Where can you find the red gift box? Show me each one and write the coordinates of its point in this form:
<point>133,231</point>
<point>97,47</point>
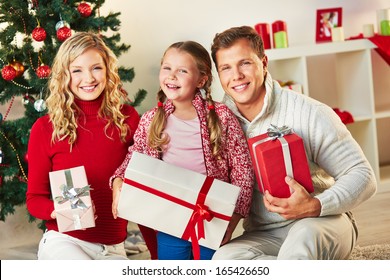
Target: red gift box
<point>276,154</point>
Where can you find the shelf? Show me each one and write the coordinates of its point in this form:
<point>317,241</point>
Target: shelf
<point>352,77</point>
<point>384,183</point>
<point>382,114</point>
<point>362,118</point>
<point>383,132</point>
<point>319,49</point>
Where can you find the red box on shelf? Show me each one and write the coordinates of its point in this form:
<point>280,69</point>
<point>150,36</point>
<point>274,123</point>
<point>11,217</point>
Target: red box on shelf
<point>274,158</point>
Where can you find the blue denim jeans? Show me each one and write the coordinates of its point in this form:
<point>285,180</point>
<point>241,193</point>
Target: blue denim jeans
<point>174,248</point>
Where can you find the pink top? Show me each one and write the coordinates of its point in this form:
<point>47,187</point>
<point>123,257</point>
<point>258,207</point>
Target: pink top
<point>234,166</point>
<point>185,145</point>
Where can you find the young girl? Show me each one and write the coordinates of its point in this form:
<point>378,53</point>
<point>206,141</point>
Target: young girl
<point>88,125</point>
<point>189,131</point>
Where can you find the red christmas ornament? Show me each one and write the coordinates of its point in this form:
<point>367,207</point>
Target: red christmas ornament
<point>18,67</point>
<point>8,73</point>
<point>64,33</point>
<point>84,9</point>
<point>39,34</point>
<point>43,71</point>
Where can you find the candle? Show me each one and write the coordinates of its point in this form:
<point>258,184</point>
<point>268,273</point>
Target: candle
<point>368,30</point>
<point>383,18</point>
<point>279,31</point>
<point>263,30</point>
<point>337,34</point>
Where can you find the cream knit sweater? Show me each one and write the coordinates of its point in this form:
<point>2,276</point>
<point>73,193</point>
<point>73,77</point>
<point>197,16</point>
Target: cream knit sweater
<point>341,174</point>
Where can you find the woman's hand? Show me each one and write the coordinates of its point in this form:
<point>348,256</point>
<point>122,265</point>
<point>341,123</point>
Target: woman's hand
<point>116,189</point>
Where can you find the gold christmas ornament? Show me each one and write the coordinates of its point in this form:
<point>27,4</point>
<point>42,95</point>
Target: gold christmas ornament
<point>19,68</point>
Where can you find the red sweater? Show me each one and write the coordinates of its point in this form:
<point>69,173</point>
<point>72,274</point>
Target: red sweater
<point>96,152</point>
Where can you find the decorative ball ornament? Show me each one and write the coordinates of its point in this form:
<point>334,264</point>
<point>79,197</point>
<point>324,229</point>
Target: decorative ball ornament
<point>19,67</point>
<point>39,34</point>
<point>8,73</point>
<point>26,99</point>
<point>84,9</point>
<point>43,71</point>
<point>61,24</point>
<point>40,105</point>
<point>64,33</point>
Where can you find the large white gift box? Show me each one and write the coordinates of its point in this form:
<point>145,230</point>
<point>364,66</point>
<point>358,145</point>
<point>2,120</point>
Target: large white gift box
<point>177,201</point>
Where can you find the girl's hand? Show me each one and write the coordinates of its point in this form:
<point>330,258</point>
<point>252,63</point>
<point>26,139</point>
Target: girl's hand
<point>116,189</point>
<point>231,227</point>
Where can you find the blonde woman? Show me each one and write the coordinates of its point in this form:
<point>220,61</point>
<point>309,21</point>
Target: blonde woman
<point>88,125</point>
<point>193,132</point>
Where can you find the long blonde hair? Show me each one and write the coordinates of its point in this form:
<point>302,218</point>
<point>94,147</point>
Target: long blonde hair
<point>157,139</point>
<point>62,110</point>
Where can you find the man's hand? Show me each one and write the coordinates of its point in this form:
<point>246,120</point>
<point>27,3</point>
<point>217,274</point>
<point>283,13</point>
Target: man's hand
<point>116,189</point>
<point>299,205</point>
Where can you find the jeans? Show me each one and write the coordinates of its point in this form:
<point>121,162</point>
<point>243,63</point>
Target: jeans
<point>174,248</point>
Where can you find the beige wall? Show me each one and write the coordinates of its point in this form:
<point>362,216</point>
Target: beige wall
<point>151,26</point>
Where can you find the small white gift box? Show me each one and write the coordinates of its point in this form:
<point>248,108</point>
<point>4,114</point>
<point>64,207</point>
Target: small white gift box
<point>72,200</point>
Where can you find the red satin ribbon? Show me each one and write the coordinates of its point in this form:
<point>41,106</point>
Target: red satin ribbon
<point>200,212</point>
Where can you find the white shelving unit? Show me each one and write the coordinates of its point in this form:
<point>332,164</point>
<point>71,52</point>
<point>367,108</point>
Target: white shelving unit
<point>350,76</point>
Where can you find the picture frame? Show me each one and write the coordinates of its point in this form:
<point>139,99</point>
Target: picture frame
<point>326,20</point>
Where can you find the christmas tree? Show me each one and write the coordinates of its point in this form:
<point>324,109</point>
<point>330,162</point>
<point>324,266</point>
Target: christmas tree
<point>31,31</point>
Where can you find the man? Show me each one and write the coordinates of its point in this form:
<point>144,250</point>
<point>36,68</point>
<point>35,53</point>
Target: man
<point>303,226</point>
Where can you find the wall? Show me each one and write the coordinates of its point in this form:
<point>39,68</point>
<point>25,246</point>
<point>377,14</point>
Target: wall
<point>151,26</point>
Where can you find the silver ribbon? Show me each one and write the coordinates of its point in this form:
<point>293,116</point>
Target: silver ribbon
<point>276,133</point>
<point>72,194</point>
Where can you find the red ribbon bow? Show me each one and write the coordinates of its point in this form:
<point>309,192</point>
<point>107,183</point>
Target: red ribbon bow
<point>201,213</point>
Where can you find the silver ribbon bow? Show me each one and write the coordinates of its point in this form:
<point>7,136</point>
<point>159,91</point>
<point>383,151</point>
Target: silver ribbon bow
<point>276,132</point>
<point>71,194</point>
